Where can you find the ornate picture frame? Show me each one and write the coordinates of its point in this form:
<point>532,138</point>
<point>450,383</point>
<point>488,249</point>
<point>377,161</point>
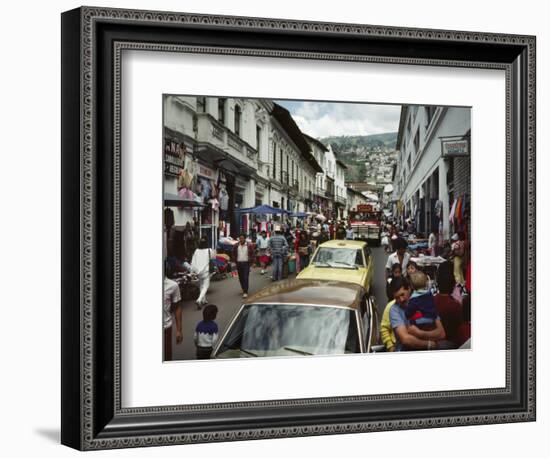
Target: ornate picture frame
<point>92,42</point>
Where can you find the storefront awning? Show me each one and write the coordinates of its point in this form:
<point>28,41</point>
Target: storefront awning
<point>173,200</point>
<point>216,157</point>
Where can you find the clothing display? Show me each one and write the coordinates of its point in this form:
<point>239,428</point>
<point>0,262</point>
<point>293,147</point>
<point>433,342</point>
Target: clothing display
<point>215,204</point>
<point>205,188</point>
<point>168,218</point>
<point>187,194</point>
<point>223,198</point>
<point>185,179</point>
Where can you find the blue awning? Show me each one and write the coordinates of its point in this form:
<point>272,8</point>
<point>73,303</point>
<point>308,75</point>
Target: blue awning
<point>262,210</point>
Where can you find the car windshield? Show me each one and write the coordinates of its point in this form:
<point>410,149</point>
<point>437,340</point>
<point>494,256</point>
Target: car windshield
<point>338,257</point>
<point>291,330</point>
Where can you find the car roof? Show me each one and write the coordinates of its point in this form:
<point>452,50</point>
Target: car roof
<point>310,292</point>
<point>357,244</point>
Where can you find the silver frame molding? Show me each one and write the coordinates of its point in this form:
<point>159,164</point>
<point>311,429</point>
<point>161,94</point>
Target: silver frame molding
<point>93,41</point>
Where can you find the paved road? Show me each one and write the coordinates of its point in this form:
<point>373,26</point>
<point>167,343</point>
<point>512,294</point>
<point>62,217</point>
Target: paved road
<point>227,295</point>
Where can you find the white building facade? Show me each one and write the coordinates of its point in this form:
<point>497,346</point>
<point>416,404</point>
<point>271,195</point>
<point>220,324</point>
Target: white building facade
<point>226,154</point>
<point>427,180</point>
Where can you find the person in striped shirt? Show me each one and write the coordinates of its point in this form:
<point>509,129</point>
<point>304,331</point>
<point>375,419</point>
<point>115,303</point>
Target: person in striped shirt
<point>278,247</point>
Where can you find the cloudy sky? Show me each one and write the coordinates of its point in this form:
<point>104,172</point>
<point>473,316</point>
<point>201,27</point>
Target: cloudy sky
<point>323,119</point>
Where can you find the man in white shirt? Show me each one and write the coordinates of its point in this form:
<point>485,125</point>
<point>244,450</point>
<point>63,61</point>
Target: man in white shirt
<point>400,256</point>
<point>200,265</point>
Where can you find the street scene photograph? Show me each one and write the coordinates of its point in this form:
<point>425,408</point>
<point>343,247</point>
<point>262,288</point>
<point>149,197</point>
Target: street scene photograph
<point>296,228</point>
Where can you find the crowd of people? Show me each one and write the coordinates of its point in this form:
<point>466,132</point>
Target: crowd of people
<point>426,309</point>
<point>275,250</point>
<point>425,313</point>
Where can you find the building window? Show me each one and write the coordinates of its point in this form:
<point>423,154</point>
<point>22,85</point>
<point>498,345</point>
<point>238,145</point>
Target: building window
<point>274,160</point>
<point>201,104</point>
<point>416,142</point>
<point>221,110</point>
<point>238,120</point>
<point>281,166</point>
<point>258,140</point>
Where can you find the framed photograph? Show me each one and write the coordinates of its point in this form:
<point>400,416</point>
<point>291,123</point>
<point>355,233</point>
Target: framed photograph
<point>275,228</point>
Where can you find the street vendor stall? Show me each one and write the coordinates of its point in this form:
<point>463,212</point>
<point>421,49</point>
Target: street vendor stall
<point>428,264</point>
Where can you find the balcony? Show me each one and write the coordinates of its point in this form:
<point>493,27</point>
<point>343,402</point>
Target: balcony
<point>341,200</point>
<point>210,130</point>
<point>330,193</point>
<point>295,186</point>
<point>320,191</point>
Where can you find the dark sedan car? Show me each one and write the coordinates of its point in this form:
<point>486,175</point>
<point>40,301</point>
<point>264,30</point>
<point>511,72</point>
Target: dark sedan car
<point>302,318</point>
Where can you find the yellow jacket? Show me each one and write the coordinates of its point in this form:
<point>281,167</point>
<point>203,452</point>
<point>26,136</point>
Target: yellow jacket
<point>386,331</point>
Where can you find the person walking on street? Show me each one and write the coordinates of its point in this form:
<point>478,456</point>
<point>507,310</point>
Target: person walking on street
<point>261,245</point>
<point>278,247</point>
<point>340,233</point>
<point>432,242</point>
<point>323,237</point>
<point>206,332</point>
<point>243,253</point>
<point>349,233</point>
<point>171,309</point>
<point>200,264</point>
<point>400,256</point>
<point>304,250</point>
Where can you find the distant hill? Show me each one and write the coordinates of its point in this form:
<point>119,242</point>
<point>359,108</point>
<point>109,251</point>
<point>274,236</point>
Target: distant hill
<point>346,144</point>
<point>353,150</point>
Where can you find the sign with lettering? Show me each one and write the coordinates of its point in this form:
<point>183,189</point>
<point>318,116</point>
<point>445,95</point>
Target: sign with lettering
<point>364,208</point>
<point>454,148</point>
<point>174,157</point>
<point>206,172</point>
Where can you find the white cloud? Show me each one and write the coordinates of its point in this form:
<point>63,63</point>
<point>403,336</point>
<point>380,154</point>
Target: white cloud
<point>323,119</point>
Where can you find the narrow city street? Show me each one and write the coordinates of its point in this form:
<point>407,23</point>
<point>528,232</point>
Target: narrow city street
<point>227,295</point>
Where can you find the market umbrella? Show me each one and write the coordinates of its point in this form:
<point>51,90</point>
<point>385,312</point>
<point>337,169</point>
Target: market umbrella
<point>298,215</point>
<point>263,210</point>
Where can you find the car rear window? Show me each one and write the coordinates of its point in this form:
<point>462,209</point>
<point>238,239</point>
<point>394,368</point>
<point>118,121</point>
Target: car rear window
<point>293,330</point>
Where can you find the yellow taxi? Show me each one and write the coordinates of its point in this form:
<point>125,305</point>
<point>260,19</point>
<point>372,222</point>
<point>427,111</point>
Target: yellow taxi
<point>341,260</point>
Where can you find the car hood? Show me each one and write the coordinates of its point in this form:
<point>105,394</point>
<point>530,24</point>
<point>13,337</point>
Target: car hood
<point>357,276</point>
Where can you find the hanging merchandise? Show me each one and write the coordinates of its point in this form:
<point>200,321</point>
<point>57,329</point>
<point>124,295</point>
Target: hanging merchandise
<point>438,209</point>
<point>224,198</point>
<point>452,212</point>
<point>205,188</point>
<point>458,211</point>
<point>215,204</point>
<point>187,194</point>
<point>185,179</point>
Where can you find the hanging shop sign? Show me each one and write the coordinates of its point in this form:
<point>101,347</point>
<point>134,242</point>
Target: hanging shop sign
<point>455,148</point>
<point>174,157</point>
<point>205,172</point>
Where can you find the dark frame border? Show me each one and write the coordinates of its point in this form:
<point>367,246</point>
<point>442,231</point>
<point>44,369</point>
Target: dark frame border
<point>92,42</point>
